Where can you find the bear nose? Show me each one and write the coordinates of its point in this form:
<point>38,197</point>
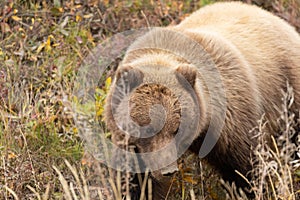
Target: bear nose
<point>169,170</point>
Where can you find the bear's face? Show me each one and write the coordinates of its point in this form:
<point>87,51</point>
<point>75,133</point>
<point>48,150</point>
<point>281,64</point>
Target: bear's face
<point>156,107</point>
<point>157,111</point>
<point>147,110</point>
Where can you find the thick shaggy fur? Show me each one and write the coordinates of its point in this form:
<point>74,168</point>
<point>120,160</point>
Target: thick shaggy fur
<point>256,54</point>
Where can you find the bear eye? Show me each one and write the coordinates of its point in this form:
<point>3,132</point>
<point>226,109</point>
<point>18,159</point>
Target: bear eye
<point>175,132</point>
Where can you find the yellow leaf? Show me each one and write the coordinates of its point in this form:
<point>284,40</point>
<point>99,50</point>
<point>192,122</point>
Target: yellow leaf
<point>75,130</point>
<point>21,30</point>
<point>12,155</point>
<point>40,48</point>
<point>56,44</point>
<point>47,47</point>
<point>15,11</point>
<point>99,111</point>
<point>16,18</point>
<point>48,43</point>
<point>108,83</point>
<point>78,18</point>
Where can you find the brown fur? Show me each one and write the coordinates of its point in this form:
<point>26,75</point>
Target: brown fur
<point>256,54</point>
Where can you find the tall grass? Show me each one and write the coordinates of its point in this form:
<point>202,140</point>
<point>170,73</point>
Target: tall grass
<point>275,162</point>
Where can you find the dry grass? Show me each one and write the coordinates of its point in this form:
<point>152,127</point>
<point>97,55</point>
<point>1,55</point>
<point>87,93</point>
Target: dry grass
<point>42,46</point>
<point>275,163</point>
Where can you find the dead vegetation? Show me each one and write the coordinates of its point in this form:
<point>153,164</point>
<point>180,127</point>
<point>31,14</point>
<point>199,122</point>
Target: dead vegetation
<point>42,44</point>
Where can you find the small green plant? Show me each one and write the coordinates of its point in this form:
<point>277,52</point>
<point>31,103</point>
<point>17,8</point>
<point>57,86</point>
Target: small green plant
<point>100,96</point>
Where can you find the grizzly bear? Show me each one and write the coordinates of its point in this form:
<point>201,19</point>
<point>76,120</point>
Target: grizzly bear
<point>206,81</point>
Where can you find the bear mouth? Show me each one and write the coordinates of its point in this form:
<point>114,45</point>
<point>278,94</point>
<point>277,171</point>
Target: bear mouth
<point>170,169</point>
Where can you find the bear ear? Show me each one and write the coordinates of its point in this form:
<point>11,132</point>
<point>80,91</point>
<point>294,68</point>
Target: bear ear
<point>130,77</point>
<point>189,73</point>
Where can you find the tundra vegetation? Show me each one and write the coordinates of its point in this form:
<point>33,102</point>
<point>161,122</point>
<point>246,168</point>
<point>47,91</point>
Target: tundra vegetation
<point>42,45</point>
